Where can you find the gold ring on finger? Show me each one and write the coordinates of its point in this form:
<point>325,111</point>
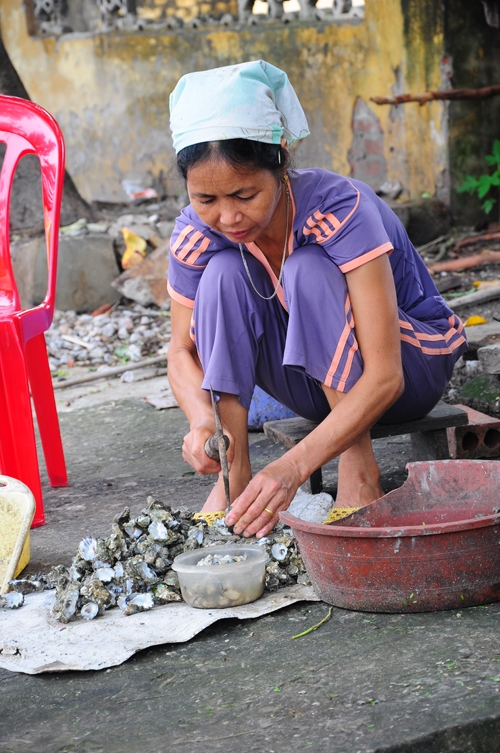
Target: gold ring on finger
<point>269,512</point>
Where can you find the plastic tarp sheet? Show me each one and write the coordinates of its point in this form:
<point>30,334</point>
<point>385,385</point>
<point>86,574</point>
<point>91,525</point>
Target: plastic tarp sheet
<point>33,641</point>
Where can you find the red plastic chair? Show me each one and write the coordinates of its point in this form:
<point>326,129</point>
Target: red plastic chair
<point>26,128</point>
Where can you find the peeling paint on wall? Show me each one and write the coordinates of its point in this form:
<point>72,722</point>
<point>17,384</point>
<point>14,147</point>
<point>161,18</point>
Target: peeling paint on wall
<point>366,155</point>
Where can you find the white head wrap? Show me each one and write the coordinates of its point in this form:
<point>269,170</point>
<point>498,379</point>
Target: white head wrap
<point>252,101</point>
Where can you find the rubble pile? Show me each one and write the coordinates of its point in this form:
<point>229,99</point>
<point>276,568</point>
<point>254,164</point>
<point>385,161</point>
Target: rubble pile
<point>121,334</point>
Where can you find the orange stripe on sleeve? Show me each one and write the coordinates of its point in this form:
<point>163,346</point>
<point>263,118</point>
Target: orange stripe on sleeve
<point>313,231</point>
<point>333,220</point>
<point>189,245</point>
<point>203,247</point>
<point>180,239</point>
<point>365,258</point>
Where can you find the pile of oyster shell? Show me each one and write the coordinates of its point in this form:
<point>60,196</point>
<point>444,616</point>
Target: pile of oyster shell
<point>132,567</point>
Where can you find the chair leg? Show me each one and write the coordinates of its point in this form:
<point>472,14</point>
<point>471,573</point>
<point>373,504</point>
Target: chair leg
<point>40,382</point>
<point>18,455</point>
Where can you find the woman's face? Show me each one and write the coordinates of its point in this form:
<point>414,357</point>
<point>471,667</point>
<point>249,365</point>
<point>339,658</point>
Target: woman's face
<point>242,204</point>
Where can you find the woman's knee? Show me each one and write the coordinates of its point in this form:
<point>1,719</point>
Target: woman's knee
<point>223,266</point>
<point>228,264</point>
<point>310,268</point>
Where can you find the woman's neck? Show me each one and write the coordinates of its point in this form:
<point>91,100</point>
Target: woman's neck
<point>272,241</point>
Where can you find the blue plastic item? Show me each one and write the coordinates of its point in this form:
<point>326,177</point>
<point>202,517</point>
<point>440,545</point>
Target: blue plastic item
<point>265,408</point>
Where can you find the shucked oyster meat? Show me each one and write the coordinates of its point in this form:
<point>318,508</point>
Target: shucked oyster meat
<point>132,567</point>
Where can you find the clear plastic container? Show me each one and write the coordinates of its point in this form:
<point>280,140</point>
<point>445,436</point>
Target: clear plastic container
<point>221,586</point>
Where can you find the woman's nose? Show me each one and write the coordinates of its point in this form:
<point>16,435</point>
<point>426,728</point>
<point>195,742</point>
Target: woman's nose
<point>230,216</point>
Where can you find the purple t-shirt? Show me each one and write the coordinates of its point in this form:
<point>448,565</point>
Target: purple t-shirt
<point>343,216</point>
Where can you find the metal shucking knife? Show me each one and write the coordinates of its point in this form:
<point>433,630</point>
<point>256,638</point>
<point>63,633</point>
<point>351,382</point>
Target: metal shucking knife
<point>216,448</point>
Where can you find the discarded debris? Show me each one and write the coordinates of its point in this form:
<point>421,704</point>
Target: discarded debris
<point>315,627</point>
<point>472,321</point>
<point>481,296</point>
<point>135,248</point>
<point>467,262</point>
<point>76,228</point>
<point>437,249</point>
<point>479,238</point>
<point>485,284</point>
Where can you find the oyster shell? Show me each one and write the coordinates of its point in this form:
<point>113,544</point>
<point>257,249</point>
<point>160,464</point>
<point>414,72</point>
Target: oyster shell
<point>105,574</point>
<point>164,594</point>
<point>25,586</point>
<point>138,568</point>
<point>119,571</point>
<point>93,590</point>
<point>138,603</point>
<point>88,549</point>
<point>89,610</point>
<point>66,604</point>
<point>143,521</point>
<point>279,552</point>
<point>158,530</point>
<point>12,600</point>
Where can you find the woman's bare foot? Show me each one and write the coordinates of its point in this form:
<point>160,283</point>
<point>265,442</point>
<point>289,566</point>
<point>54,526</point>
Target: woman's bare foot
<point>235,417</point>
<point>360,496</point>
<point>238,482</point>
<point>359,476</point>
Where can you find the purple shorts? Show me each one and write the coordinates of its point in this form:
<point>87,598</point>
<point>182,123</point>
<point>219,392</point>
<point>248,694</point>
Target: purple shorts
<point>244,341</point>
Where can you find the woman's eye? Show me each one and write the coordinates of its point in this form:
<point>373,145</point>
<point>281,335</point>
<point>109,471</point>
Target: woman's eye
<point>245,198</point>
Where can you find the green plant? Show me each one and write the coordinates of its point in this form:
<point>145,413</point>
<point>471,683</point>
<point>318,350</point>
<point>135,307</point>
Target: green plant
<point>485,183</point>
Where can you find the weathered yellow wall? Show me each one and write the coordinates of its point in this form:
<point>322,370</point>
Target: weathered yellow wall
<point>109,92</point>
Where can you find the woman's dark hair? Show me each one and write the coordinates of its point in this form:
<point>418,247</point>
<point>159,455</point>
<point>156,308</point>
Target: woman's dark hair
<point>239,153</point>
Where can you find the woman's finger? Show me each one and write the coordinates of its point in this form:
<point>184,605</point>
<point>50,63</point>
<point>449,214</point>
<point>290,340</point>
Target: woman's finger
<point>264,523</point>
<point>241,506</point>
<point>262,514</point>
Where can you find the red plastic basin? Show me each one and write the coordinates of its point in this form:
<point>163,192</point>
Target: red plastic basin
<point>432,544</point>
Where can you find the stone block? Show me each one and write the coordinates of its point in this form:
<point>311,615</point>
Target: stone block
<point>146,282</point>
<point>86,268</point>
<point>489,358</point>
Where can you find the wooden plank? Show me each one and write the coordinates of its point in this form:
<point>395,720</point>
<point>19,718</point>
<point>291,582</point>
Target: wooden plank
<point>440,417</point>
<point>290,431</point>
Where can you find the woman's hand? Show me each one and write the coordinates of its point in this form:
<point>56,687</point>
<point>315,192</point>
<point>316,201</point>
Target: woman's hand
<point>193,449</point>
<point>256,510</point>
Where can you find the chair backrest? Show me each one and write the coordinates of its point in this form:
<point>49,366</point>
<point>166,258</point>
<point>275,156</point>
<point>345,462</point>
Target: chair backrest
<point>26,128</point>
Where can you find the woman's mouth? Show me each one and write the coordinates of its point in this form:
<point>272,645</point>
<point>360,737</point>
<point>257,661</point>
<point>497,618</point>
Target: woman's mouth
<point>237,234</point>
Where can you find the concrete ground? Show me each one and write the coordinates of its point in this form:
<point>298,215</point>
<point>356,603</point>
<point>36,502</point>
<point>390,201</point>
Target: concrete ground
<point>362,682</point>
